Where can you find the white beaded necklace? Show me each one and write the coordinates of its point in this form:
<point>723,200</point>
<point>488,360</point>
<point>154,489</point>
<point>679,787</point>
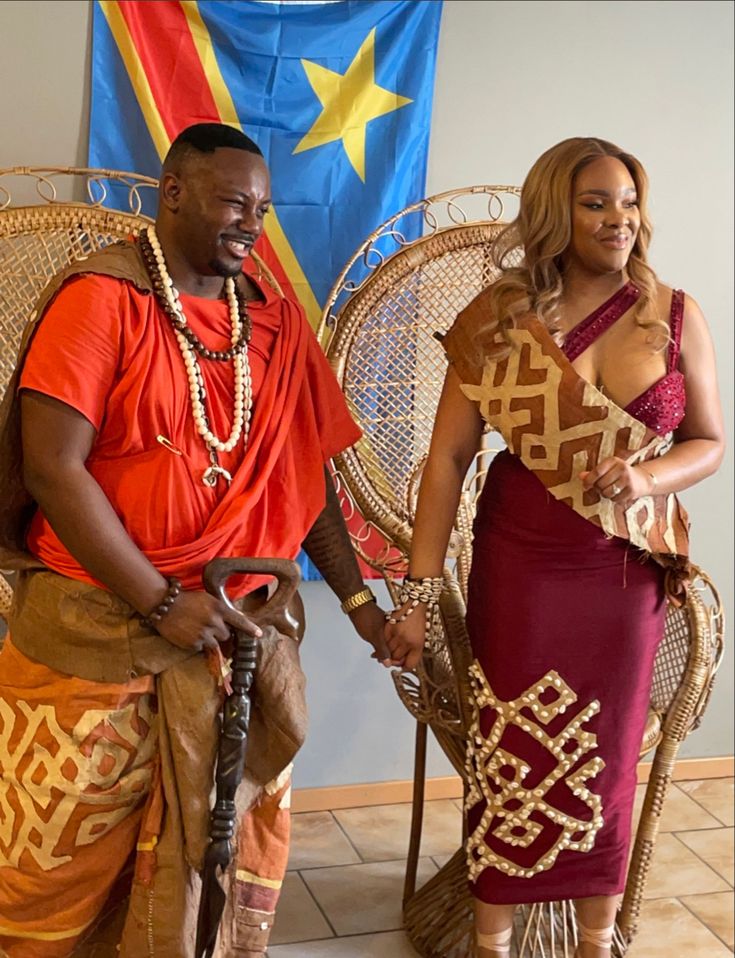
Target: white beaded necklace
<point>243,383</point>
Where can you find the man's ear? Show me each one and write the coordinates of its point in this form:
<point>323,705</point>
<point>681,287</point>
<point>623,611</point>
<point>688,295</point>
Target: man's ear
<point>171,191</point>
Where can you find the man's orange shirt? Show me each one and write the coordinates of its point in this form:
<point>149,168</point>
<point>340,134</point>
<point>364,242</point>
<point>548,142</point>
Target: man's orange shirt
<point>108,350</point>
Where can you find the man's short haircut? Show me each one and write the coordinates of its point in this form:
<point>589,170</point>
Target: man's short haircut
<point>206,138</point>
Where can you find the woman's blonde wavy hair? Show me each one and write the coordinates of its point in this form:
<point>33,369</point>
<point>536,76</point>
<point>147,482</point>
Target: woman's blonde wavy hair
<point>543,231</point>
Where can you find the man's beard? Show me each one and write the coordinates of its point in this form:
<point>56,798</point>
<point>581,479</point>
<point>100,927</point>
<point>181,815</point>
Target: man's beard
<point>223,270</point>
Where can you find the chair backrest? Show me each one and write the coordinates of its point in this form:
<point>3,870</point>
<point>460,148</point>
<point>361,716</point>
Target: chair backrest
<point>380,330</point>
<point>382,343</point>
<point>37,240</point>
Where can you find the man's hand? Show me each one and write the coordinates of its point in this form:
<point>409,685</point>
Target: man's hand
<point>369,621</point>
<point>198,620</point>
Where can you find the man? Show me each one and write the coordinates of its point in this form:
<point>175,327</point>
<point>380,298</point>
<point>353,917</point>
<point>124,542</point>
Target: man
<point>173,409</point>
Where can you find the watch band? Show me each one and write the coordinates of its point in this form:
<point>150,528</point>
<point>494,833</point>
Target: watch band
<point>355,601</point>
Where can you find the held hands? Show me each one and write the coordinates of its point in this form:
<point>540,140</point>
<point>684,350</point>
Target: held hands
<point>369,622</point>
<point>406,639</point>
<point>617,480</point>
<point>197,620</point>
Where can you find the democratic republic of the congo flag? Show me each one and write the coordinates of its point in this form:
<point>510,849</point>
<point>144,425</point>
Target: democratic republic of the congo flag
<point>338,96</point>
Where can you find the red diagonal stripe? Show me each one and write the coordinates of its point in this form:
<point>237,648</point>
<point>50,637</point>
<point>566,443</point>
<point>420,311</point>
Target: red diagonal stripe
<point>166,49</point>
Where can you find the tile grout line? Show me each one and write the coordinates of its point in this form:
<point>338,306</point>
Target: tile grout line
<point>349,840</point>
<point>694,799</point>
<point>355,934</point>
<point>319,909</point>
<point>703,860</point>
<point>337,936</point>
<point>701,920</point>
<point>718,822</point>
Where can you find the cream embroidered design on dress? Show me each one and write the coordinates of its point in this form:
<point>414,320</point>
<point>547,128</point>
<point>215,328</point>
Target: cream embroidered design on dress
<point>500,778</point>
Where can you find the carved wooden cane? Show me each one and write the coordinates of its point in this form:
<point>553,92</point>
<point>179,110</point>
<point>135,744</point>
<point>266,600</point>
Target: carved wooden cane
<point>234,733</point>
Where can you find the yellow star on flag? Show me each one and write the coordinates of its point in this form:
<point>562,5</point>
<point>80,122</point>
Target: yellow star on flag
<point>349,102</point>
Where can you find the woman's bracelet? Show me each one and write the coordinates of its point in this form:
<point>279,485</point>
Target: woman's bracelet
<point>413,591</point>
<point>164,606</point>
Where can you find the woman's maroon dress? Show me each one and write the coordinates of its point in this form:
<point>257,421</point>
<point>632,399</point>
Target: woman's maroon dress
<point>565,624</point>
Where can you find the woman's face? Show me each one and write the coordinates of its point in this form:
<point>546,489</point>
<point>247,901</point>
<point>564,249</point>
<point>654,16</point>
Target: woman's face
<point>605,217</point>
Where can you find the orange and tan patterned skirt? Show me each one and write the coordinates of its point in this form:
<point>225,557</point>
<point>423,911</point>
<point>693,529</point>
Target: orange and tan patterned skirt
<point>76,764</point>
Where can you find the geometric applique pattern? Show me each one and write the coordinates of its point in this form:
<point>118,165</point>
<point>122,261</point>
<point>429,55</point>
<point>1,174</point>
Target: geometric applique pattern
<point>61,789</point>
<point>498,778</point>
<point>559,425</point>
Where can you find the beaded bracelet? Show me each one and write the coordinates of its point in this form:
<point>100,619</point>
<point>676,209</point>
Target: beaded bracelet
<point>426,590</point>
<point>164,607</point>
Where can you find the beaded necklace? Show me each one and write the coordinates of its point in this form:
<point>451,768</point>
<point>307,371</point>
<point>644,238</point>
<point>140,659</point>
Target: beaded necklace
<point>191,346</point>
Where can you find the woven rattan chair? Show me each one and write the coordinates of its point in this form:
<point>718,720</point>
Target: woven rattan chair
<point>379,325</point>
<point>38,239</point>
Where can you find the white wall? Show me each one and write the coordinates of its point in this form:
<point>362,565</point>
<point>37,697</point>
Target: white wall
<point>512,79</point>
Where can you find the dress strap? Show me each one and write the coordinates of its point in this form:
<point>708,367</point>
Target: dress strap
<point>600,320</point>
<point>676,321</point>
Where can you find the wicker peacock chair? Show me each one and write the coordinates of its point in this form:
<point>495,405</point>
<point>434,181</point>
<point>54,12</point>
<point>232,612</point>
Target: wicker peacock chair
<point>38,239</point>
<point>379,326</point>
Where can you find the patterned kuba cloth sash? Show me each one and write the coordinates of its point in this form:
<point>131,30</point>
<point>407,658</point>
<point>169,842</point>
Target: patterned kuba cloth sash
<point>560,425</point>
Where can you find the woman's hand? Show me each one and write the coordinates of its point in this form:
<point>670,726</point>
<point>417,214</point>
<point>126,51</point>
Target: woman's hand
<point>198,620</point>
<point>406,639</point>
<point>617,480</point>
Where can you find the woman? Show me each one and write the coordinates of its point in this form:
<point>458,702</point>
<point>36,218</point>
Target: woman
<point>587,365</point>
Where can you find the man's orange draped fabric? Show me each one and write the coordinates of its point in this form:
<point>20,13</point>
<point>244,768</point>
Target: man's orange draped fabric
<point>109,351</point>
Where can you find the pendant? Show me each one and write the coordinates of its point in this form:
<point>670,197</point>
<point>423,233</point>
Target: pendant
<point>212,474</point>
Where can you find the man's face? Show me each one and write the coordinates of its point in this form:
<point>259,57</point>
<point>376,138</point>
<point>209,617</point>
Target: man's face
<point>219,201</point>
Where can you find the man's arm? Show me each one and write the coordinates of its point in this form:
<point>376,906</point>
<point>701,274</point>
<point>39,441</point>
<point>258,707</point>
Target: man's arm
<point>56,444</point>
<point>328,546</point>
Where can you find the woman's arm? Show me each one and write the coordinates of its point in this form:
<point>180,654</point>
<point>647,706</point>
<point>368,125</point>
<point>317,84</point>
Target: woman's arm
<point>454,442</point>
<point>700,438</point>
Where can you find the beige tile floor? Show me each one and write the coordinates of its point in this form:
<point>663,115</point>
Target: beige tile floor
<point>342,894</point>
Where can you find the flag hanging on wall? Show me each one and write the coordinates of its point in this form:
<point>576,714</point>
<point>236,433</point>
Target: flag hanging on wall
<point>337,94</point>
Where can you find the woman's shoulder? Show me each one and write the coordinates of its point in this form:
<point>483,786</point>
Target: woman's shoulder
<point>684,314</point>
<point>675,306</point>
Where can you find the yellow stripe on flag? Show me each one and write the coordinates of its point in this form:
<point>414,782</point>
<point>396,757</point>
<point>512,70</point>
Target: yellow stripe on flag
<point>228,114</point>
<point>137,74</point>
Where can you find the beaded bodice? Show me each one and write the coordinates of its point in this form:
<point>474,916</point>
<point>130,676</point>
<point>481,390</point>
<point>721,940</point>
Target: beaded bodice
<point>661,407</point>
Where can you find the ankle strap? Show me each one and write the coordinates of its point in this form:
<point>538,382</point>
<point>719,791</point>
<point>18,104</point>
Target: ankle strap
<point>599,937</point>
<point>499,942</point>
